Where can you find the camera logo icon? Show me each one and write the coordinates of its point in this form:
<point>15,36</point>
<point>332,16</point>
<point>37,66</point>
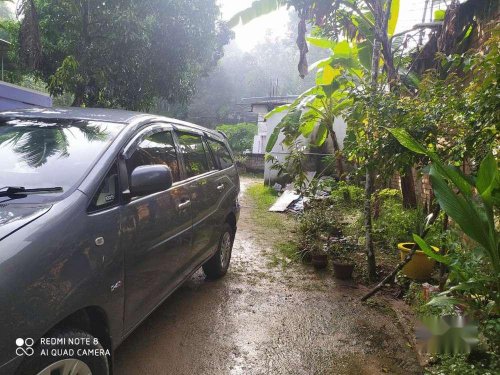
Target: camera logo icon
<point>25,347</point>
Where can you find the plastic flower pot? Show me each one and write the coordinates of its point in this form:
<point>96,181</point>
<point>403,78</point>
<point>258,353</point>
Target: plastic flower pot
<point>319,261</point>
<point>343,271</point>
<point>420,266</point>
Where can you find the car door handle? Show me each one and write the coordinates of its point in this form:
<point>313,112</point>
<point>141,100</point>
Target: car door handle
<point>184,204</point>
<point>220,187</point>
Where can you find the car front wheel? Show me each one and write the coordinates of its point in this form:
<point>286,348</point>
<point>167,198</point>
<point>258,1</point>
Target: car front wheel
<point>217,266</point>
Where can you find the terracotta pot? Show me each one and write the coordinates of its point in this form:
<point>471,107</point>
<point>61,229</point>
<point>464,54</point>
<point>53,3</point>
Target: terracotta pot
<point>343,271</point>
<point>319,261</point>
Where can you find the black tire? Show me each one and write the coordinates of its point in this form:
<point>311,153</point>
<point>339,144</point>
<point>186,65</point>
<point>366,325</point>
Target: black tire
<point>97,363</point>
<point>217,266</point>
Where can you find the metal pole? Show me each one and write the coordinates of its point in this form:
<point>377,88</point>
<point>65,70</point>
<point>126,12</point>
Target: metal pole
<point>421,37</point>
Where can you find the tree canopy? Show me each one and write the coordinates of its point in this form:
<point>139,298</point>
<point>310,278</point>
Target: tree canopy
<point>126,53</point>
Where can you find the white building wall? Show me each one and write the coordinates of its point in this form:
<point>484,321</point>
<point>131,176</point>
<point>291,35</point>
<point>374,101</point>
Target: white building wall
<point>279,151</point>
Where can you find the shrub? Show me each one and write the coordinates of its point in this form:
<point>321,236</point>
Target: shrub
<point>240,136</point>
<point>347,194</point>
<point>319,221</point>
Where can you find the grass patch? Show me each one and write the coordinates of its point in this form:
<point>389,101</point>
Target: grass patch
<point>286,253</point>
<point>278,229</point>
<point>263,196</point>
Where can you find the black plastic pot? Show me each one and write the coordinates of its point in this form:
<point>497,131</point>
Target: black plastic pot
<point>343,271</point>
<point>319,261</point>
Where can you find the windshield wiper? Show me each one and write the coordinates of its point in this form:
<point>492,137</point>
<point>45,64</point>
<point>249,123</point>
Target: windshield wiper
<point>9,191</point>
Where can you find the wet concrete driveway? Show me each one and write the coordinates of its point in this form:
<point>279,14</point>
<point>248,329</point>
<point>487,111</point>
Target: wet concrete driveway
<point>261,319</point>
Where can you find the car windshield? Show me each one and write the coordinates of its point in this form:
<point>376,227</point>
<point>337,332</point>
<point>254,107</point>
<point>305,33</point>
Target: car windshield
<point>38,154</point>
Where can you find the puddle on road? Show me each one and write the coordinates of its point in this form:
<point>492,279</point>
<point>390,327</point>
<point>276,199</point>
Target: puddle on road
<point>261,320</point>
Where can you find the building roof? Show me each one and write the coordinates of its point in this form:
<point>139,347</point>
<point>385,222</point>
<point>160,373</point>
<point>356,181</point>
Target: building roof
<point>278,100</point>
<point>270,102</point>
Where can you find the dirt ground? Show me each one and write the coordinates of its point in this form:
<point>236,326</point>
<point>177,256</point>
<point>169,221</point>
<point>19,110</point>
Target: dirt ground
<point>261,319</point>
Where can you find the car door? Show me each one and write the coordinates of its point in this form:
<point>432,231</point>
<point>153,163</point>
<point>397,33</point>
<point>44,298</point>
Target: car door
<point>200,173</point>
<point>223,188</point>
<point>156,229</point>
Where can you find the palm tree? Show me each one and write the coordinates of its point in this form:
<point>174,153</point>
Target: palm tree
<point>36,144</point>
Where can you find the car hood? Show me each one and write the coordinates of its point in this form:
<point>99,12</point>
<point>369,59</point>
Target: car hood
<point>14,216</point>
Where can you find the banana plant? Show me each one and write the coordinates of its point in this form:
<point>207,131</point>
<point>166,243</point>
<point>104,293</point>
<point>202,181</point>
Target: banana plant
<point>354,19</point>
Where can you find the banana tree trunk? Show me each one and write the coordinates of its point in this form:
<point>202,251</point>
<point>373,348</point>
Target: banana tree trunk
<point>338,155</point>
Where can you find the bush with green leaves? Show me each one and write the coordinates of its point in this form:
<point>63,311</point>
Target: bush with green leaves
<point>395,224</point>
<point>318,222</point>
<point>349,194</point>
<point>240,136</point>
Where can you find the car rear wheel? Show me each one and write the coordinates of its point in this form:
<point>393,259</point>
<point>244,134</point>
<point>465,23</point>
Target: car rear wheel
<point>217,266</point>
<point>72,352</point>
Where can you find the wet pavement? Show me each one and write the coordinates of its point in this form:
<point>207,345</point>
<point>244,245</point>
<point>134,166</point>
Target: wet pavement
<point>261,319</point>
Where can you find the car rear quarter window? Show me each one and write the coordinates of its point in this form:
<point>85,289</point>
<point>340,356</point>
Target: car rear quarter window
<point>221,153</point>
<point>194,153</point>
<point>156,149</point>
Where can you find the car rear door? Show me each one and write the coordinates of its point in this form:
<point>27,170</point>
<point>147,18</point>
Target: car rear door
<point>156,229</point>
<point>201,174</point>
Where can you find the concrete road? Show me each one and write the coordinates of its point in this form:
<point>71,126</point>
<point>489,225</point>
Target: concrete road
<point>261,319</point>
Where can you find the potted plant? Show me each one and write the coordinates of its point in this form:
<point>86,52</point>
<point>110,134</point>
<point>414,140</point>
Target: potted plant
<point>420,266</point>
<point>343,249</point>
<point>319,255</point>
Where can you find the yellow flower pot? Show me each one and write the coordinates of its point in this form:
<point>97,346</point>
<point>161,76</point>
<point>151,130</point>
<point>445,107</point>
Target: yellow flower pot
<point>420,266</point>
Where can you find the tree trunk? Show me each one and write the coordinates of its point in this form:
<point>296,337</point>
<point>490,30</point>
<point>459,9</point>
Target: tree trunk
<point>408,189</point>
<point>79,99</point>
<point>370,252</point>
<point>338,155</point>
<point>81,89</point>
<point>369,249</point>
<point>390,278</point>
<point>442,251</point>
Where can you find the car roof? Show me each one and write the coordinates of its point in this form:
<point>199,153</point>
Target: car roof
<point>97,114</point>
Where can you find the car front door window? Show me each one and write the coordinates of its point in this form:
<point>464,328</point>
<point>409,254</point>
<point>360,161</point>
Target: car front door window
<point>157,148</point>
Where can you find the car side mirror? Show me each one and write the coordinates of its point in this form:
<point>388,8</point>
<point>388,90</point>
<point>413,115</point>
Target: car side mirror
<point>150,179</point>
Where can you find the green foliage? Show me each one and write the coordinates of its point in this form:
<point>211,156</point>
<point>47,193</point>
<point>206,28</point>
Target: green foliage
<point>292,168</point>
<point>317,225</point>
<point>343,249</point>
<point>488,364</point>
<point>126,53</point>
<point>257,9</point>
<point>240,136</point>
<point>348,194</point>
<point>473,211</point>
<point>439,15</point>
<point>395,224</point>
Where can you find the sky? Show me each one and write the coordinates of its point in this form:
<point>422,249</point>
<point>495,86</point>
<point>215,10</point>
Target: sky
<point>249,35</point>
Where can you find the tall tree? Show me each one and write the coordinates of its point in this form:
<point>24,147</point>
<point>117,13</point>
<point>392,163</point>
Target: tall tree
<point>126,53</point>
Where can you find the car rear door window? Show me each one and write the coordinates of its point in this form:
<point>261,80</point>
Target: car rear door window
<point>157,148</point>
<point>221,153</point>
<point>194,153</point>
